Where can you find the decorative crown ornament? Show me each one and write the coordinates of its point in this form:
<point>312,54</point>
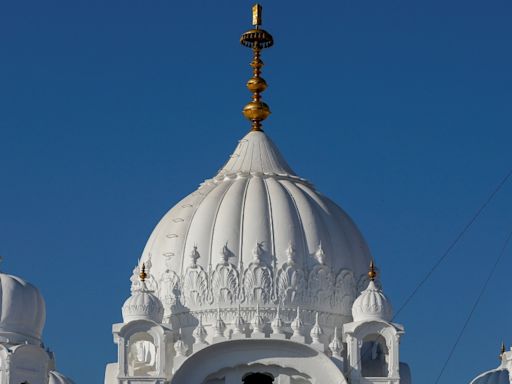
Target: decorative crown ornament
<point>257,39</point>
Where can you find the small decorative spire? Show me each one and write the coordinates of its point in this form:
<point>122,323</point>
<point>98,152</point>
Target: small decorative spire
<point>194,255</point>
<point>277,324</point>
<point>258,323</point>
<point>257,252</point>
<point>225,254</point>
<point>336,346</point>
<point>503,349</point>
<point>143,275</point>
<point>258,39</point>
<point>297,325</point>
<point>316,331</point>
<point>220,326</point>
<point>320,254</point>
<point>239,323</point>
<point>372,273</point>
<point>179,346</point>
<point>290,253</point>
<point>200,332</point>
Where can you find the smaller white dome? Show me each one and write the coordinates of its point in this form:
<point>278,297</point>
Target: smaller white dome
<point>22,310</point>
<point>143,305</point>
<point>58,378</point>
<point>372,304</point>
<point>496,376</point>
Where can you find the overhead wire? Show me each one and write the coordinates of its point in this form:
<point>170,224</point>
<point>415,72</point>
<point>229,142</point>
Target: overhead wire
<point>475,305</point>
<point>452,245</point>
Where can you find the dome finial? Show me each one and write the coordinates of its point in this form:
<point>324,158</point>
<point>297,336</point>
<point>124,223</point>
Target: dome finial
<point>503,349</point>
<point>258,39</point>
<point>372,273</point>
<point>143,275</point>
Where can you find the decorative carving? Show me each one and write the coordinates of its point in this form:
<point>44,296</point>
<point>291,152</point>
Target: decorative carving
<point>195,284</point>
<point>321,286</point>
<point>345,291</point>
<point>169,287</point>
<point>257,279</point>
<point>290,280</point>
<point>225,280</point>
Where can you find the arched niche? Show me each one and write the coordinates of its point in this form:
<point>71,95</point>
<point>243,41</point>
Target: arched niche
<point>142,355</point>
<point>374,356</point>
<point>373,348</point>
<point>142,348</point>
<point>229,361</point>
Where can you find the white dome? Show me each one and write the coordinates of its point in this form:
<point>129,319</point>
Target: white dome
<point>259,228</point>
<point>496,376</point>
<point>372,304</point>
<point>59,378</point>
<point>142,305</point>
<point>22,310</point>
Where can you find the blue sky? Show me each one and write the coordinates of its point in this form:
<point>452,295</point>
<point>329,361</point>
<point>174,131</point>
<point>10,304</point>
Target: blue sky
<point>400,111</point>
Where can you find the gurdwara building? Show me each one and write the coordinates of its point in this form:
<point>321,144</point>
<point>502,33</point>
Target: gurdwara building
<point>255,277</point>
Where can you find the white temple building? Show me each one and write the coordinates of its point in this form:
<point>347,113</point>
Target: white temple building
<point>256,277</point>
<point>23,357</point>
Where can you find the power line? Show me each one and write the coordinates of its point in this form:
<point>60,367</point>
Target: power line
<point>452,245</point>
<point>455,241</point>
<point>475,305</point>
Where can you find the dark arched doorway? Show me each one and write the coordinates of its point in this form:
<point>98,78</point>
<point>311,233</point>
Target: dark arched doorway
<point>258,378</point>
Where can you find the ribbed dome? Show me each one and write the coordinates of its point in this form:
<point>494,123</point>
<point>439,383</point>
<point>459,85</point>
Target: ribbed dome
<point>257,212</point>
<point>372,304</point>
<point>497,376</point>
<point>22,310</point>
<point>142,305</point>
<point>59,378</point>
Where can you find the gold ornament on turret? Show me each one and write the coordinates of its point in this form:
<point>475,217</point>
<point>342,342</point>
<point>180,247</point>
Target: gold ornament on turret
<point>372,273</point>
<point>143,275</point>
<point>258,39</point>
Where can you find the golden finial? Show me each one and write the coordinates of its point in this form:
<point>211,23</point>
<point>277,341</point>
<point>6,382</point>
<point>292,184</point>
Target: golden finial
<point>257,39</point>
<point>503,349</point>
<point>372,273</point>
<point>143,274</point>
<point>256,15</point>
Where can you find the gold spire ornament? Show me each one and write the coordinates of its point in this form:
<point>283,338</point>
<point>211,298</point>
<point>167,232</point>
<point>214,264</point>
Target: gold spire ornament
<point>258,39</point>
<point>372,273</point>
<point>143,275</point>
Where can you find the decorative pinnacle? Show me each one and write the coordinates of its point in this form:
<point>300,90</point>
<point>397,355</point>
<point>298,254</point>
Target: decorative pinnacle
<point>257,39</point>
<point>372,273</point>
<point>143,274</point>
<point>503,349</point>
